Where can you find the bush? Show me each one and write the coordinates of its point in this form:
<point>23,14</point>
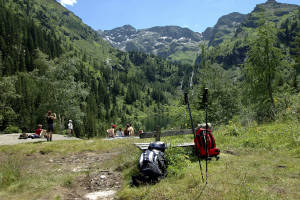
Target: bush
<point>233,129</point>
<point>12,129</point>
<point>178,159</point>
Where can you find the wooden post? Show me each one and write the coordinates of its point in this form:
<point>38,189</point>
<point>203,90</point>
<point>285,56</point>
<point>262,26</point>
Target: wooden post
<point>158,133</point>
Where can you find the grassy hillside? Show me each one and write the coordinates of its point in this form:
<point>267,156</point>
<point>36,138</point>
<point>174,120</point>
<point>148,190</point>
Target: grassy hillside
<point>51,15</point>
<point>84,79</point>
<point>257,162</point>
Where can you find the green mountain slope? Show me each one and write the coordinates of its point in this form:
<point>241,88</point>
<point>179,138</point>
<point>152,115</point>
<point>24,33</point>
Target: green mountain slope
<point>85,79</point>
<point>52,16</point>
<point>224,29</point>
<point>232,47</point>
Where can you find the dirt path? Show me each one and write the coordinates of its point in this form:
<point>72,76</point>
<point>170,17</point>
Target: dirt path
<point>97,183</point>
<point>12,139</point>
<point>93,180</point>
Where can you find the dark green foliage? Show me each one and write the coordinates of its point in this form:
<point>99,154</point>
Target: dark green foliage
<point>19,37</point>
<point>261,69</point>
<point>50,60</point>
<point>58,68</point>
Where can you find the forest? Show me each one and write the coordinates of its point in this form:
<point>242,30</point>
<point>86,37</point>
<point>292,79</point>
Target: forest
<point>65,66</point>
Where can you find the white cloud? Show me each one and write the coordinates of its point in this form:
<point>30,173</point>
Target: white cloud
<point>67,2</point>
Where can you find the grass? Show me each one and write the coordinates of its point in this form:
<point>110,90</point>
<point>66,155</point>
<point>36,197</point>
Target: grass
<point>257,162</point>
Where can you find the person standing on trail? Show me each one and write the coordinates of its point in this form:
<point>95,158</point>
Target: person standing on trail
<point>70,128</point>
<point>130,130</point>
<point>50,124</point>
<point>111,131</point>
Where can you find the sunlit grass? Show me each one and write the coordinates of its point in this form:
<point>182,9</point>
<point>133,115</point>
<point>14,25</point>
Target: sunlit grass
<point>257,162</point>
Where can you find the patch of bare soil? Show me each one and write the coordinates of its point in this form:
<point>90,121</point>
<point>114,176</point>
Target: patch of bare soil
<point>95,178</point>
<point>231,152</point>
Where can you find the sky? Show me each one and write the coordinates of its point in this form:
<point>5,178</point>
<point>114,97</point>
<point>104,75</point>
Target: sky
<point>196,15</point>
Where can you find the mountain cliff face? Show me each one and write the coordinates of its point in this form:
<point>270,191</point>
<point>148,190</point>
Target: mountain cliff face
<point>232,41</point>
<point>269,11</point>
<point>181,44</point>
<point>164,41</point>
<point>225,28</point>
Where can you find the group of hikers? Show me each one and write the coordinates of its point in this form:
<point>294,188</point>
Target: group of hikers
<point>113,132</point>
<point>40,133</point>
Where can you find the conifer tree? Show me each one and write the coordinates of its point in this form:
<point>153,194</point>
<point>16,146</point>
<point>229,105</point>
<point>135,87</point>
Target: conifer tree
<point>262,66</point>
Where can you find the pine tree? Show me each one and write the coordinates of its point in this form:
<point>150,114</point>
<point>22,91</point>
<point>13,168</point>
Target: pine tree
<point>261,67</point>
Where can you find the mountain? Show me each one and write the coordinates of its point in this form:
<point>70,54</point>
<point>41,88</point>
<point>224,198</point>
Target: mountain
<point>231,34</point>
<point>172,42</point>
<point>269,11</point>
<point>225,28</point>
<point>51,60</point>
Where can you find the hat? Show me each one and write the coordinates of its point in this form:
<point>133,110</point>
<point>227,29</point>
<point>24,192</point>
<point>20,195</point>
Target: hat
<point>114,126</point>
<point>70,120</point>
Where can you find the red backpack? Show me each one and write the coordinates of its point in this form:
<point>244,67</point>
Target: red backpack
<point>212,151</point>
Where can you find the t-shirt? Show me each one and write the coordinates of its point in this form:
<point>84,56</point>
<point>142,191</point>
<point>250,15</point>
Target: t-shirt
<point>119,133</point>
<point>70,126</point>
<point>49,120</point>
<point>38,131</point>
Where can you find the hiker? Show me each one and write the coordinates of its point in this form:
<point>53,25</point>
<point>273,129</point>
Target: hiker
<point>152,165</point>
<point>130,130</point>
<point>50,124</point>
<point>126,132</point>
<point>70,128</point>
<point>111,131</point>
<point>119,132</point>
<point>37,133</point>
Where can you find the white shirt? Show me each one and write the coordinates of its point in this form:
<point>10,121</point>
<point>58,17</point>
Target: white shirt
<point>70,125</point>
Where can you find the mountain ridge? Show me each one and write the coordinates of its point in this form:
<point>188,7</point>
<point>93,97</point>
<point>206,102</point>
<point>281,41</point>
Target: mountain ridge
<point>184,45</point>
<point>164,41</point>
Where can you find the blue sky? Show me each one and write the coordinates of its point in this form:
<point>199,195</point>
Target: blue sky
<point>194,14</point>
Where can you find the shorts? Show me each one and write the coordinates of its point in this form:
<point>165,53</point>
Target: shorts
<point>50,128</point>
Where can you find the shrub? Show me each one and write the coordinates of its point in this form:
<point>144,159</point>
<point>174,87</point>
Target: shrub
<point>12,129</point>
<point>178,159</point>
<point>233,129</point>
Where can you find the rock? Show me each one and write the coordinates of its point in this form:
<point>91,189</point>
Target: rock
<point>100,195</point>
<point>102,177</point>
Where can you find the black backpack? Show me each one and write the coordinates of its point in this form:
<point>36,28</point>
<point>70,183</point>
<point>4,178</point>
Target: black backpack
<point>152,162</point>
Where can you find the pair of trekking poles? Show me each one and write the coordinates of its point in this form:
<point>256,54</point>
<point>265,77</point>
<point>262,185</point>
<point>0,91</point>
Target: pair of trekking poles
<point>203,136</point>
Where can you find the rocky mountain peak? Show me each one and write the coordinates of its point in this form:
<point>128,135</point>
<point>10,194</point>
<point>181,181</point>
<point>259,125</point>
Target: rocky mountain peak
<point>163,41</point>
<point>271,1</point>
<point>227,24</point>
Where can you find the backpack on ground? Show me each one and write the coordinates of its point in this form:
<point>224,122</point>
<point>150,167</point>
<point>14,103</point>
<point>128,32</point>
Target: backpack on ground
<point>152,165</point>
<point>23,136</point>
<point>200,137</point>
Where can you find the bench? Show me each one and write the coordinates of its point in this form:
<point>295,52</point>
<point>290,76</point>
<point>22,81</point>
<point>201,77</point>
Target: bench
<point>158,133</point>
<point>144,146</point>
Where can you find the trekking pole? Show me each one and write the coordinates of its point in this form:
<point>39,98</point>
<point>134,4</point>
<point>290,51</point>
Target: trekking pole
<point>205,100</point>
<point>189,109</point>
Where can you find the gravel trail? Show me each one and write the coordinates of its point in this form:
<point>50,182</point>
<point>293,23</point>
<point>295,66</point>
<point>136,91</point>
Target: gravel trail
<point>12,139</point>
